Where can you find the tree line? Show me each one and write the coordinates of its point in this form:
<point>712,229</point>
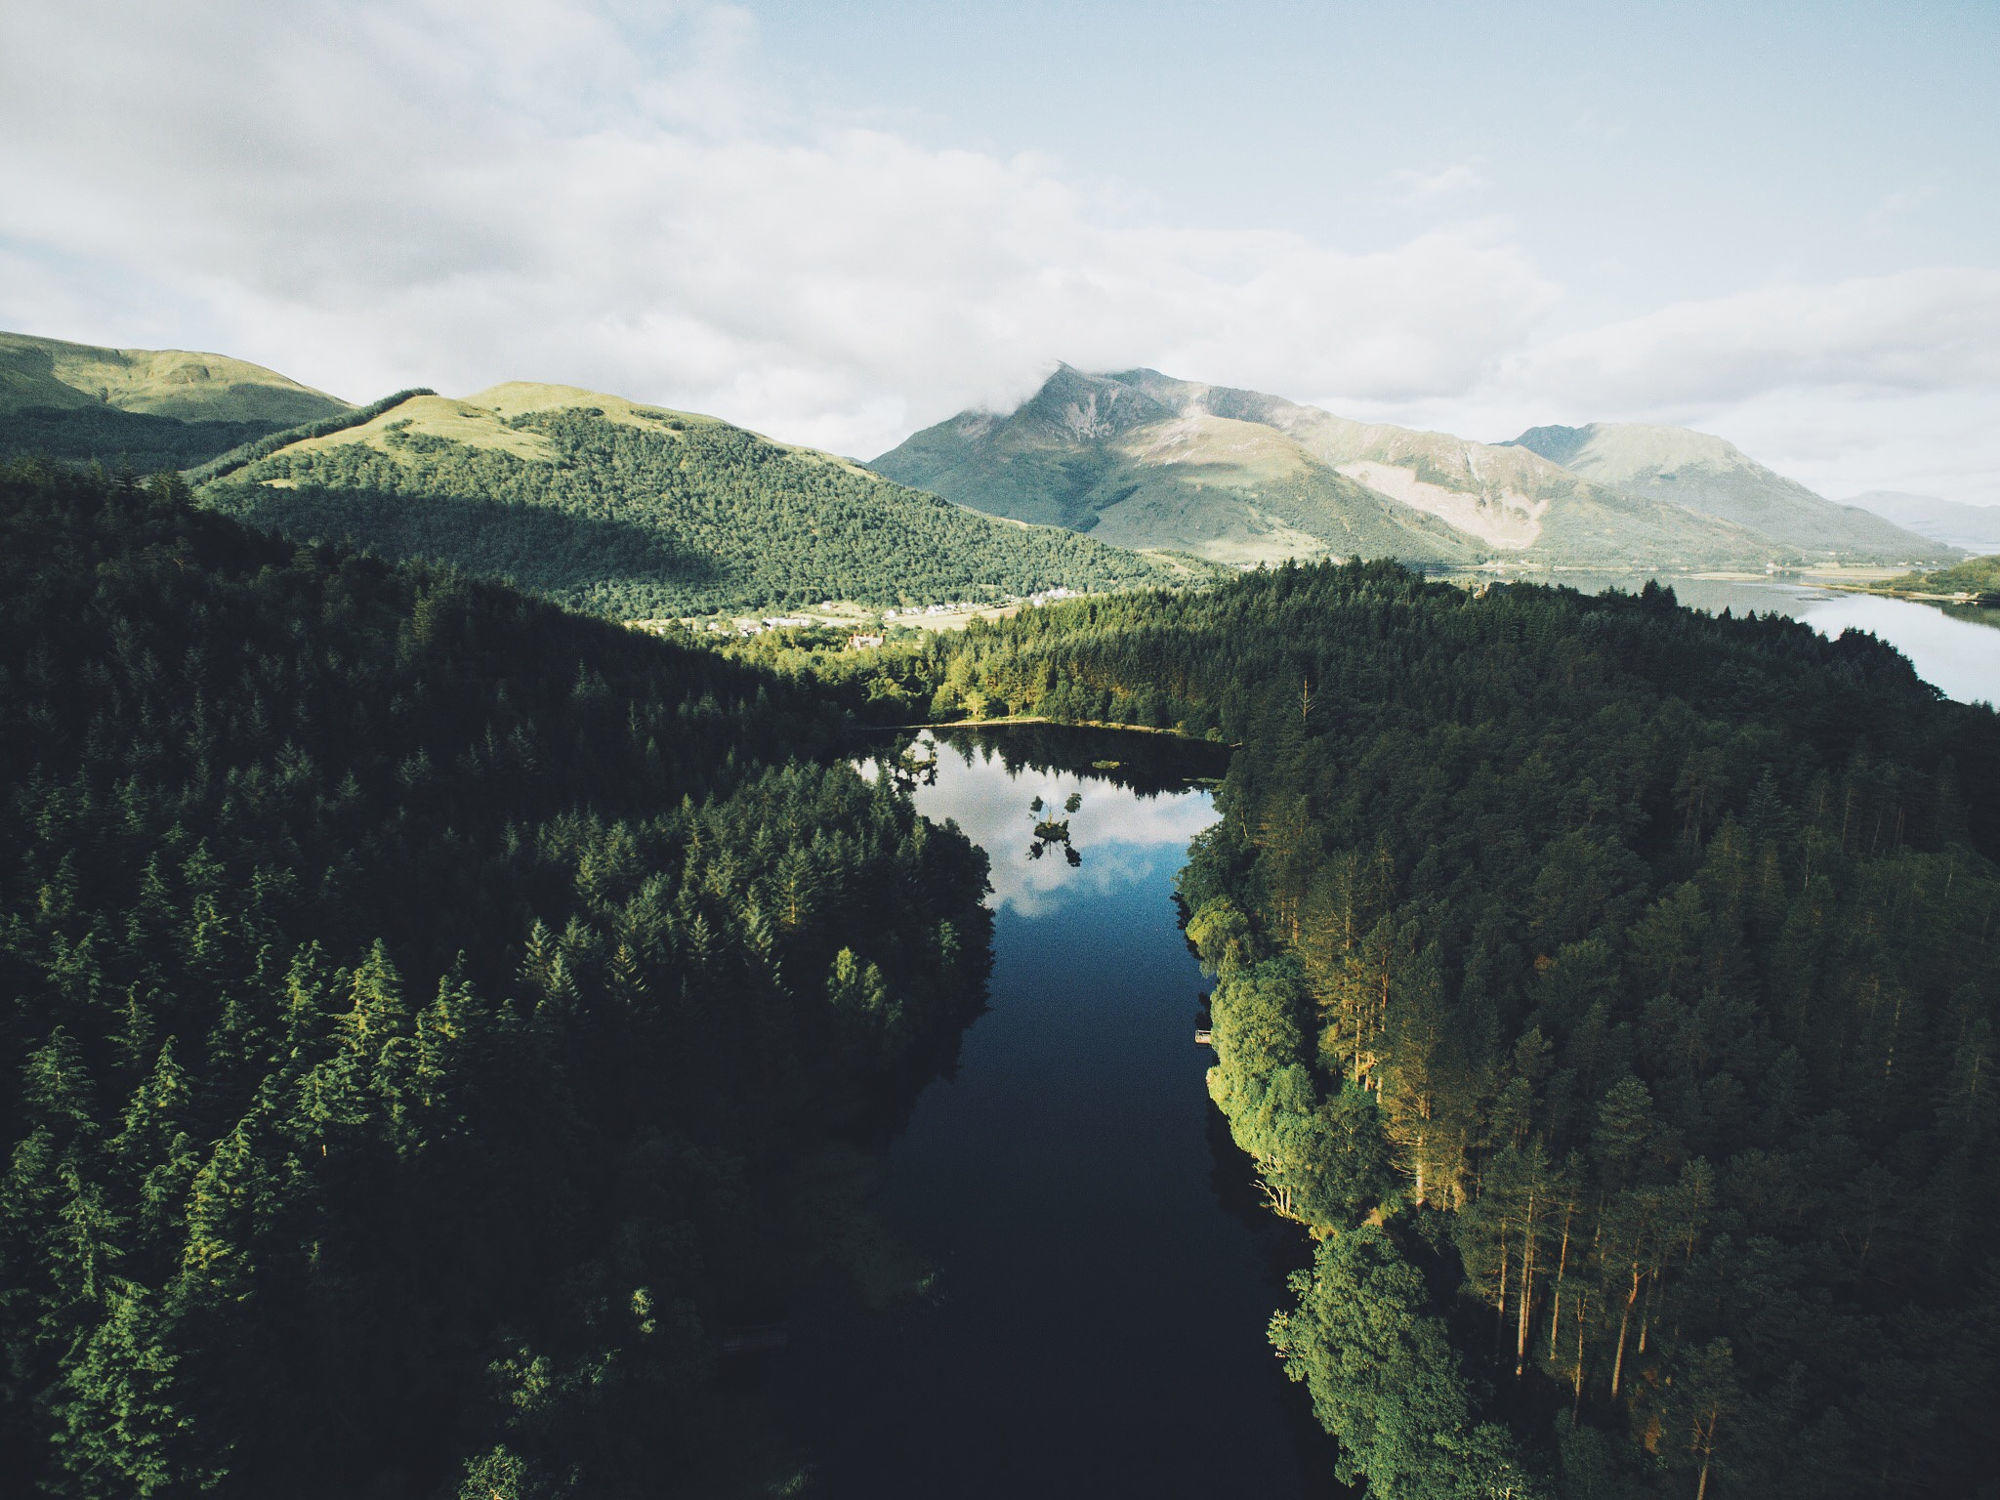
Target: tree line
<point>135,442</point>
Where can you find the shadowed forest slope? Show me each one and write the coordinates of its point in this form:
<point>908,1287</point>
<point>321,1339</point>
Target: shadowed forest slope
<point>634,511</point>
<point>431,1013</point>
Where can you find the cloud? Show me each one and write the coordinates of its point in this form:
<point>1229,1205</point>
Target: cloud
<point>1872,382</point>
<point>367,195</point>
<point>1922,330</point>
<point>619,194</point>
<point>1422,187</point>
<point>1895,207</point>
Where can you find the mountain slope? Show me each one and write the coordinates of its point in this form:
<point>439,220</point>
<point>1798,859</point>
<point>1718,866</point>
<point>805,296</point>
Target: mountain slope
<point>606,504</point>
<point>416,988</point>
<point>1509,502</point>
<point>1142,459</point>
<point>1704,473</point>
<point>1976,528</point>
<point>153,408</point>
<point>1100,454</point>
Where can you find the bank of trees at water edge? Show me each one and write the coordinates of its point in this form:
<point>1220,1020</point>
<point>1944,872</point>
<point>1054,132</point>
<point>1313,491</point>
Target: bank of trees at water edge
<point>489,1000</point>
<point>1610,990</point>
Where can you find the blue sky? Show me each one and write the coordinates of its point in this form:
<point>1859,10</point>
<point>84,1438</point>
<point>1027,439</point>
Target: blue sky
<point>1658,150</point>
<point>836,222</point>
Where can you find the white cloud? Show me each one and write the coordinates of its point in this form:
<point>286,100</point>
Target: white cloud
<point>1889,214</point>
<point>370,195</point>
<point>1458,177</point>
<point>1874,382</point>
<point>1922,330</point>
<point>616,194</point>
<point>1845,440</point>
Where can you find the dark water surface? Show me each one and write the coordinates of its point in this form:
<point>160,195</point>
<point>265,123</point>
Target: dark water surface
<point>1104,1276</point>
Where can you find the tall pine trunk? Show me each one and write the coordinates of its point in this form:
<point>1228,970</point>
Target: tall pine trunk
<point>1562,1265</point>
<point>1527,1288</point>
<point>1624,1323</point>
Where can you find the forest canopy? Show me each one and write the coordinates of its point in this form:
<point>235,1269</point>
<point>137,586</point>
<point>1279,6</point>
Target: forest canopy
<point>660,515</point>
<point>428,1013</point>
<point>1611,992</point>
<point>471,992</point>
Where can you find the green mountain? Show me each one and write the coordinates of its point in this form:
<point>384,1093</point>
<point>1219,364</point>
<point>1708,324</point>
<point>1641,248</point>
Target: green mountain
<point>1976,528</point>
<point>632,510</point>
<point>1707,474</point>
<point>1100,454</point>
<point>1142,459</point>
<point>149,408</point>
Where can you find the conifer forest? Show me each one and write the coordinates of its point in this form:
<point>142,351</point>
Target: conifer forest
<point>442,1028</point>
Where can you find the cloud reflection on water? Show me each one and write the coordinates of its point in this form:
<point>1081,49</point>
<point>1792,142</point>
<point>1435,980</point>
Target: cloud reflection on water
<point>1119,832</point>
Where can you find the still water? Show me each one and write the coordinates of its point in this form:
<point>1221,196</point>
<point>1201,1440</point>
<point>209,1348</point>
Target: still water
<point>1104,1275</point>
<point>1955,650</point>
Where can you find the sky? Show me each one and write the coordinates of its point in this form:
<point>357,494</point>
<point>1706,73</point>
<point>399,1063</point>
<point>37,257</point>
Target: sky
<point>838,222</point>
<point>1120,836</point>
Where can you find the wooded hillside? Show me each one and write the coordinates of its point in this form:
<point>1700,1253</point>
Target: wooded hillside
<point>432,1011</point>
<point>637,513</point>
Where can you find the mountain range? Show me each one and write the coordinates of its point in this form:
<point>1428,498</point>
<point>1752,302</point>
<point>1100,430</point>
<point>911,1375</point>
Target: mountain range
<point>1138,458</point>
<point>609,504</point>
<point>1707,474</point>
<point>1976,528</point>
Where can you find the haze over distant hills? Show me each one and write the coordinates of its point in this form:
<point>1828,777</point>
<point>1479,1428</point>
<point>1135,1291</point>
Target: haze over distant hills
<point>1142,459</point>
<point>1707,474</point>
<point>151,408</point>
<point>634,510</point>
<point>1973,527</point>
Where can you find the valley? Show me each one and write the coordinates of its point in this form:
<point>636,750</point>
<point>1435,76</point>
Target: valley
<point>587,1022</point>
<point>760,751</point>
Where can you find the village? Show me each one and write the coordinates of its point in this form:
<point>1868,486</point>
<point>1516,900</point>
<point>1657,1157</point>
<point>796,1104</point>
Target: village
<point>867,627</point>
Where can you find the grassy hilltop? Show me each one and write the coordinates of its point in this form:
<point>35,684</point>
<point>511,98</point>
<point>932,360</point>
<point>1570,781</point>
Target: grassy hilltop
<point>149,409</point>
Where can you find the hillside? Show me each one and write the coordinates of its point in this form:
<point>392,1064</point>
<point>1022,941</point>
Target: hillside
<point>1142,459</point>
<point>1976,528</point>
<point>427,1014</point>
<point>1707,474</point>
<point>149,408</point>
<point>631,510</point>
